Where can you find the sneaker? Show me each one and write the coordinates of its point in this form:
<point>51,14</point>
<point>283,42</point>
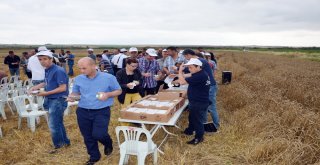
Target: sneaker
<point>91,162</point>
<point>195,141</point>
<point>108,150</point>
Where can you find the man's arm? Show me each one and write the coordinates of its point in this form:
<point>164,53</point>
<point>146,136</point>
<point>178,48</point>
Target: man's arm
<point>106,95</point>
<point>36,87</point>
<point>61,88</point>
<point>182,80</point>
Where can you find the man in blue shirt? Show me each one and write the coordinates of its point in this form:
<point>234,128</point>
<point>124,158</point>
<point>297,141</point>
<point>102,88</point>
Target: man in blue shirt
<point>189,54</point>
<point>97,91</point>
<point>70,59</point>
<point>198,96</point>
<point>55,91</point>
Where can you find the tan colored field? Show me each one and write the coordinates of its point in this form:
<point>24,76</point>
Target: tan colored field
<point>269,115</point>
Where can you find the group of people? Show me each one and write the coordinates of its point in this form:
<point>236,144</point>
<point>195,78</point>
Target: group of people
<point>127,76</point>
<point>14,62</point>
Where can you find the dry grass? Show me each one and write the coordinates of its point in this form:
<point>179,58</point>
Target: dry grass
<point>269,115</point>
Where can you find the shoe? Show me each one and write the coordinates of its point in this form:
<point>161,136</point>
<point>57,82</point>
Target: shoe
<point>53,151</point>
<point>195,141</point>
<point>91,162</point>
<point>108,150</point>
<point>209,128</point>
<point>186,132</point>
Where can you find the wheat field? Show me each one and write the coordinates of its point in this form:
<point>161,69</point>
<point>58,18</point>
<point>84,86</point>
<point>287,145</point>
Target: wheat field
<point>269,115</point>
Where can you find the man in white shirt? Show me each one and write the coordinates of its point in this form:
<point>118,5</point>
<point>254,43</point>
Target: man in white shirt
<point>36,68</point>
<point>118,59</point>
<point>105,55</point>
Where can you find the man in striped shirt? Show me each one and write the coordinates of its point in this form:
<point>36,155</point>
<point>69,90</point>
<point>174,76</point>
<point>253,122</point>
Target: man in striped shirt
<point>149,67</point>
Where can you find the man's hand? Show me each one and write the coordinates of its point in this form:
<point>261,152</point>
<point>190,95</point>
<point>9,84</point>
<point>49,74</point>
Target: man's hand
<point>181,68</point>
<point>146,74</point>
<point>172,75</point>
<point>103,96</point>
<point>42,93</point>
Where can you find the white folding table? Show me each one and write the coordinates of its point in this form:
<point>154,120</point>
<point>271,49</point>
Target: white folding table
<point>158,125</point>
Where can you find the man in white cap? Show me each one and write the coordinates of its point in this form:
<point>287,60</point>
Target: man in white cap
<point>55,91</point>
<point>35,67</point>
<point>91,55</point>
<point>198,96</point>
<point>149,67</point>
<point>133,51</point>
<point>118,59</point>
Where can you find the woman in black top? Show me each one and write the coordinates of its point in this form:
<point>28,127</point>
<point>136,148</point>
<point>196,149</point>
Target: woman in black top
<point>130,80</point>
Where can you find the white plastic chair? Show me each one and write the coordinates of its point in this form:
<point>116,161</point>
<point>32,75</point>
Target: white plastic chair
<point>27,83</point>
<point>20,103</point>
<point>70,104</point>
<point>1,132</point>
<point>4,97</point>
<point>2,112</point>
<point>14,79</point>
<point>132,144</point>
<point>4,80</point>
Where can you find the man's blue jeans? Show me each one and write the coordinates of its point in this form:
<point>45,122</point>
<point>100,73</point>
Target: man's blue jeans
<point>14,71</point>
<point>56,107</point>
<point>70,70</point>
<point>212,109</point>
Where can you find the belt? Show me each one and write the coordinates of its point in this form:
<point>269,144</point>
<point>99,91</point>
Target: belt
<point>95,110</point>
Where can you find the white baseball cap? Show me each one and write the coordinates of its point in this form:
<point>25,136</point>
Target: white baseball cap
<point>42,48</point>
<point>123,50</point>
<point>45,53</point>
<point>90,49</point>
<point>194,61</point>
<point>207,54</point>
<point>164,50</point>
<point>151,52</point>
<point>133,49</point>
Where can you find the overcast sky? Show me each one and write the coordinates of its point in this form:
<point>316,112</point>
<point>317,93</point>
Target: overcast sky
<point>169,22</point>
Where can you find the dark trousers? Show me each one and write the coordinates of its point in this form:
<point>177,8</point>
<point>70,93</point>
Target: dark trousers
<point>197,113</point>
<point>29,75</point>
<point>149,91</point>
<point>159,83</point>
<point>93,125</point>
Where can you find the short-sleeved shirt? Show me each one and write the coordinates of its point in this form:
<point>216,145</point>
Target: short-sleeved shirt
<point>89,87</point>
<point>199,85</point>
<point>54,77</point>
<point>93,56</point>
<point>71,59</point>
<point>106,66</point>
<point>9,60</point>
<point>169,62</point>
<point>206,67</point>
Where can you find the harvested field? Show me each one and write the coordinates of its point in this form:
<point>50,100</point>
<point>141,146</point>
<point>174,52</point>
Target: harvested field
<point>269,115</point>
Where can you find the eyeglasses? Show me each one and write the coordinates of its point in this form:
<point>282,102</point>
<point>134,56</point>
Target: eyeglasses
<point>134,66</point>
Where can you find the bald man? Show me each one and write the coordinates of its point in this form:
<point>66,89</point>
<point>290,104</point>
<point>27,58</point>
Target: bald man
<point>97,91</point>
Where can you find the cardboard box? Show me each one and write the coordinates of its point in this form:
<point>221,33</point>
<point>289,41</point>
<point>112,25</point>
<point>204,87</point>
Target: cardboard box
<point>145,112</point>
<point>182,93</point>
<point>144,116</point>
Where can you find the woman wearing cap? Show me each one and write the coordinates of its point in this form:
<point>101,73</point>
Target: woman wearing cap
<point>198,95</point>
